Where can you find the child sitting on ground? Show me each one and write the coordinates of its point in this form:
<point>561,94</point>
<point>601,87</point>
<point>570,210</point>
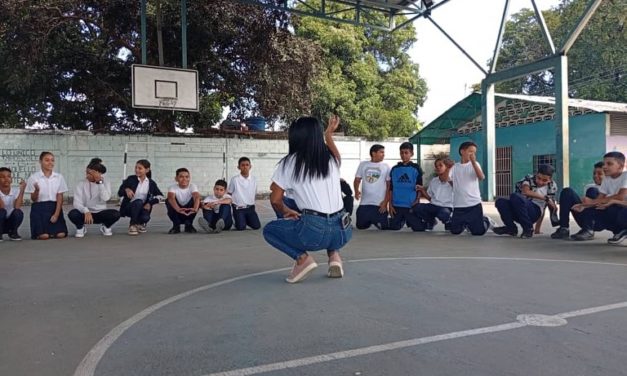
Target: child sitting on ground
<point>243,189</point>
<point>183,202</point>
<point>216,210</point>
<point>440,195</point>
<point>11,199</point>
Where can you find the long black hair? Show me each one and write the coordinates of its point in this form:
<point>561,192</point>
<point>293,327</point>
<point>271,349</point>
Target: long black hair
<point>307,147</point>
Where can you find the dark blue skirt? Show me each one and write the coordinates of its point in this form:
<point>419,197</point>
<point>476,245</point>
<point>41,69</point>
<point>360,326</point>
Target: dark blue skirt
<point>40,214</point>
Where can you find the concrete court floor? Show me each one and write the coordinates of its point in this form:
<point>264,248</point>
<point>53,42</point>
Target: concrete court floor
<point>423,302</point>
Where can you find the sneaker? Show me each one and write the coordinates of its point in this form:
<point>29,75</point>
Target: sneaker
<point>106,231</point>
<point>219,226</point>
<point>132,230</point>
<point>202,222</point>
<point>616,239</point>
<point>300,272</point>
<point>190,229</point>
<point>335,266</point>
<point>15,236</point>
<point>561,233</point>
<point>141,228</point>
<point>175,230</point>
<point>80,232</point>
<point>504,230</point>
<point>492,224</point>
<point>527,234</point>
<point>583,234</point>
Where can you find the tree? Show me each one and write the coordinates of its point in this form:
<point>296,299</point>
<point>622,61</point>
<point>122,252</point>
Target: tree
<point>66,63</point>
<point>597,60</point>
<point>367,77</point>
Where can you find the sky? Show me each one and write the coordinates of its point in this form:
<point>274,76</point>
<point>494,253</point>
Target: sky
<point>449,74</point>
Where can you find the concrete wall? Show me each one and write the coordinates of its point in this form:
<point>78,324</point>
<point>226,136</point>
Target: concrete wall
<point>587,146</point>
<point>208,159</point>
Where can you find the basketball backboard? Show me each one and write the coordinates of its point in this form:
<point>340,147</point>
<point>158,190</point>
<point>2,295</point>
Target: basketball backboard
<point>163,88</point>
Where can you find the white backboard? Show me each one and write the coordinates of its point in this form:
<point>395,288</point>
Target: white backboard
<point>163,88</point>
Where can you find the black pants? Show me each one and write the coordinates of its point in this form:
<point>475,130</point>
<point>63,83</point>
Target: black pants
<point>246,217</point>
<point>179,219</point>
<point>519,209</point>
<point>427,213</point>
<point>470,217</point>
<point>10,223</point>
<point>368,215</point>
<point>405,216</point>
<point>106,217</point>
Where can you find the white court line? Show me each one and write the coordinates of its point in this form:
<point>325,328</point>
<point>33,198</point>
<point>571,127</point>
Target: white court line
<point>88,365</point>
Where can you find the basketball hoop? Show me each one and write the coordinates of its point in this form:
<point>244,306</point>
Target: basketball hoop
<point>167,104</point>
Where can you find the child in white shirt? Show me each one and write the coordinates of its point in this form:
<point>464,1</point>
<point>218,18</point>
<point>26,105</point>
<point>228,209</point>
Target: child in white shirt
<point>243,189</point>
<point>216,210</point>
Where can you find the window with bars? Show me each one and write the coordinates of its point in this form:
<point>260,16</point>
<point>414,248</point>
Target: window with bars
<point>539,160</point>
<point>504,184</point>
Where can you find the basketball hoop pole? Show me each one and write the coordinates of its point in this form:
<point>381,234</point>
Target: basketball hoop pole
<point>183,32</point>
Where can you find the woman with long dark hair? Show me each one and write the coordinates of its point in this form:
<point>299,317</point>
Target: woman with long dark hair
<point>311,171</point>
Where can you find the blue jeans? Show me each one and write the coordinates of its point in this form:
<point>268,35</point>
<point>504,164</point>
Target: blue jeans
<point>309,233</point>
<point>224,214</point>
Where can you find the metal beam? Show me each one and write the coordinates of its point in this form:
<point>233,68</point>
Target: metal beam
<point>456,44</point>
<point>545,29</point>
<point>523,70</point>
<point>184,33</point>
<point>562,147</point>
<point>499,38</point>
<point>143,30</point>
<point>488,114</point>
<point>592,7</point>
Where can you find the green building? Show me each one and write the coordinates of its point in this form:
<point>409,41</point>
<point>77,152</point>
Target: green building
<point>525,135</point>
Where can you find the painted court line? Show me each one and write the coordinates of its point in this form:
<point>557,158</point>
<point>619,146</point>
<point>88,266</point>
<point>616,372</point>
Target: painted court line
<point>402,344</point>
<point>88,365</point>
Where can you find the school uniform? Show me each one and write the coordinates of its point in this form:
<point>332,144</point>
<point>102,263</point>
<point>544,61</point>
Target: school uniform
<point>185,199</point>
<point>243,191</point>
<point>146,192</point>
<point>321,225</point>
<point>223,211</point>
<point>92,198</point>
<point>570,198</point>
<point>522,209</point>
<point>593,219</point>
<point>46,204</point>
<point>467,209</point>
<point>374,179</point>
<point>441,205</point>
<point>10,217</point>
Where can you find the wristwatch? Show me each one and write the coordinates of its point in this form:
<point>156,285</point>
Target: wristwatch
<point>99,182</point>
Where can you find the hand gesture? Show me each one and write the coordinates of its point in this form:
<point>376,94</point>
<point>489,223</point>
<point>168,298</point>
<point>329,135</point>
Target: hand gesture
<point>96,175</point>
<point>333,124</point>
<point>290,214</point>
<point>129,193</point>
<point>36,186</point>
<point>472,157</point>
<point>22,185</point>
<point>89,219</point>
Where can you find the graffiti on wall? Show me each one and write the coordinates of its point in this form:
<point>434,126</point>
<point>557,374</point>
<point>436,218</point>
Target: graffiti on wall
<point>22,162</point>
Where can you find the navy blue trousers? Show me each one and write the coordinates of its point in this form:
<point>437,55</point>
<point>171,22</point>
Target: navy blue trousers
<point>179,219</point>
<point>471,218</point>
<point>368,215</point>
<point>224,214</point>
<point>135,210</point>
<point>593,219</point>
<point>106,217</point>
<point>570,198</point>
<point>246,217</point>
<point>428,213</point>
<point>621,221</point>
<point>405,216</point>
<point>519,209</point>
<point>10,223</point>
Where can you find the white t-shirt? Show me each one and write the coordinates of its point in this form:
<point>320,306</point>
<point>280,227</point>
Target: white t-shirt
<point>183,195</point>
<point>9,199</point>
<point>441,193</point>
<point>48,186</point>
<point>243,190</point>
<point>611,186</point>
<point>211,199</point>
<point>374,177</point>
<point>143,187</point>
<point>323,195</point>
<point>465,185</point>
<point>541,190</point>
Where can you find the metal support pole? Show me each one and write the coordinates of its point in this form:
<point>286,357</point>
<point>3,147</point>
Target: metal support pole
<point>562,137</point>
<point>499,38</point>
<point>488,122</point>
<point>592,7</point>
<point>159,34</point>
<point>545,29</point>
<point>143,30</point>
<point>184,33</point>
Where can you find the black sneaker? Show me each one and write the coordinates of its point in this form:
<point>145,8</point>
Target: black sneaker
<point>618,238</point>
<point>175,230</point>
<point>561,233</point>
<point>190,229</point>
<point>527,234</point>
<point>15,236</point>
<point>583,234</point>
<point>504,230</point>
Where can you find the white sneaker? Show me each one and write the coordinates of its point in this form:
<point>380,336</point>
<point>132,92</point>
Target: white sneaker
<point>203,224</point>
<point>80,232</point>
<point>492,224</point>
<point>219,225</point>
<point>141,228</point>
<point>106,231</point>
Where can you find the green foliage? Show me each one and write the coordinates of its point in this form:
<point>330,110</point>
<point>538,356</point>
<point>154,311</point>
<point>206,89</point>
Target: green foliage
<point>597,60</point>
<point>367,77</point>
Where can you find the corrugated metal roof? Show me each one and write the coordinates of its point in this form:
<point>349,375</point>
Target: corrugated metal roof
<point>598,106</point>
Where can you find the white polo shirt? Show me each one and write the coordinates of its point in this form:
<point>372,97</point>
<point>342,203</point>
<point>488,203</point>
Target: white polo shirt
<point>243,190</point>
<point>465,185</point>
<point>441,193</point>
<point>9,199</point>
<point>323,195</point>
<point>211,199</point>
<point>48,186</point>
<point>374,177</point>
<point>143,187</point>
<point>611,186</point>
<point>183,195</point>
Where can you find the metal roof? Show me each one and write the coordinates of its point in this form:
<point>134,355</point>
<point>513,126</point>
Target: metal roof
<point>440,130</point>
